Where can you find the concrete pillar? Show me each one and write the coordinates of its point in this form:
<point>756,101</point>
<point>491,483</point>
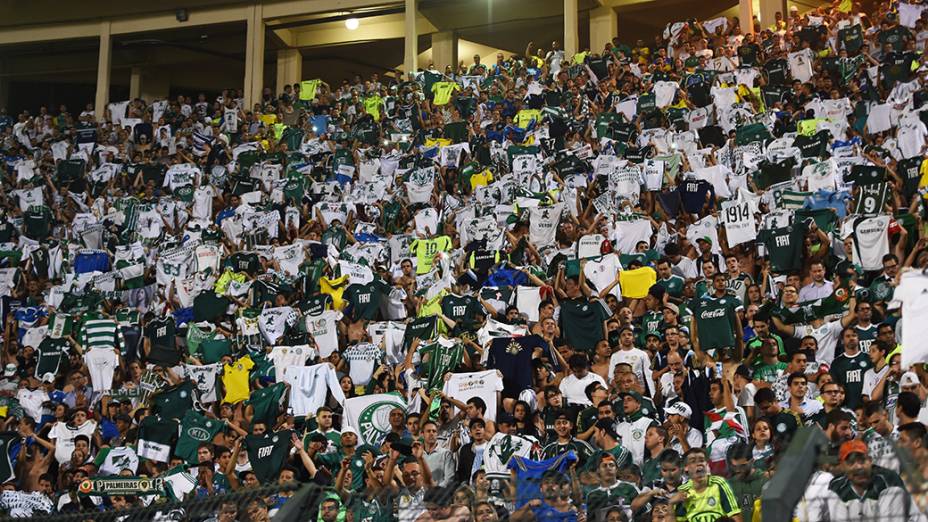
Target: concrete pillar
<point>254,56</point>
<point>289,68</point>
<point>746,16</point>
<point>410,38</point>
<point>103,71</point>
<point>768,10</point>
<point>4,89</point>
<point>445,50</point>
<point>604,26</point>
<point>571,44</point>
<point>135,83</point>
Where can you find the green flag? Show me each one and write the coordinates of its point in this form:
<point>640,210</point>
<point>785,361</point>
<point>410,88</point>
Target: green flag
<point>178,482</point>
<point>214,349</point>
<point>156,437</point>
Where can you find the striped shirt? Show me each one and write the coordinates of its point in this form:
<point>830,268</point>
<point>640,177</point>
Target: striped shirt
<point>101,333</point>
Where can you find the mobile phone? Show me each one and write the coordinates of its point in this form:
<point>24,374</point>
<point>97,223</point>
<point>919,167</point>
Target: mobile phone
<point>718,370</point>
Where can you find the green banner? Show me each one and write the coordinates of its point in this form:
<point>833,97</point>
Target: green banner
<point>122,486</point>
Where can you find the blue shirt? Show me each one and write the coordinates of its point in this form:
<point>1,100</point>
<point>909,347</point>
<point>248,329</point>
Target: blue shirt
<point>546,513</point>
<point>829,199</point>
<point>529,473</point>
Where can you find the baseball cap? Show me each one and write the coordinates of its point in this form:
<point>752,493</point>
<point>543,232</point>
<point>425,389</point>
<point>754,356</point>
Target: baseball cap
<point>679,408</point>
<point>850,447</point>
<point>48,377</point>
<point>672,307</point>
<point>562,414</point>
<point>707,239</point>
<point>908,379</point>
<point>633,395</point>
<point>349,429</point>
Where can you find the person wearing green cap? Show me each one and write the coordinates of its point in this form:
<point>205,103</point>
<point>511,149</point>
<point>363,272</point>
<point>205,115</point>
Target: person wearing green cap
<point>634,426</point>
<point>706,255</point>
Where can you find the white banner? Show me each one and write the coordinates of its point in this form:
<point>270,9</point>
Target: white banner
<point>465,386</point>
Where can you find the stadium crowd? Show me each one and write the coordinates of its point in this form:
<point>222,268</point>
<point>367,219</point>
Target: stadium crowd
<point>609,286</point>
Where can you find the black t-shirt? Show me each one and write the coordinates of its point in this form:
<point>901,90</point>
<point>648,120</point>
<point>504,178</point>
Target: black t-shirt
<point>909,170</point>
<point>162,335</point>
<point>670,201</point>
<point>775,94</point>
<point>777,71</point>
<point>694,192</point>
<point>748,54</point>
<point>244,262</point>
<point>852,38</point>
<point>865,175</point>
<point>814,146</point>
<point>895,36</point>
<point>712,135</point>
<point>512,356</point>
<point>697,86</point>
<point>772,173</point>
<point>208,306</point>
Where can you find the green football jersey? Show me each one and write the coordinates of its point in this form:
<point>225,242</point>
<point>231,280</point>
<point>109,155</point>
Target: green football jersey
<point>849,372</point>
<point>461,309</point>
<point>439,358</point>
<point>673,285</point>
<point>582,323</point>
<point>716,321</point>
<point>784,246</point>
<point>365,299</point>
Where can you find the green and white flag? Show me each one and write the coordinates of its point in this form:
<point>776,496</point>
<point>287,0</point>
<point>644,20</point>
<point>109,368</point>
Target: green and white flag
<point>60,325</point>
<point>178,482</point>
<point>112,461</point>
<point>790,199</point>
<point>195,429</point>
<point>370,415</point>
<point>156,438</point>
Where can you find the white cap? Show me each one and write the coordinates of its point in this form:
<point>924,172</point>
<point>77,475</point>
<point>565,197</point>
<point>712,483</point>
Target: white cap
<point>908,379</point>
<point>679,408</point>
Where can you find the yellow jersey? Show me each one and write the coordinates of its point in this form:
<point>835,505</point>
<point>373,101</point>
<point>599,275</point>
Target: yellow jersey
<point>443,92</point>
<point>635,283</point>
<point>335,288</point>
<point>713,503</point>
<point>235,380</point>
<point>425,250</point>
